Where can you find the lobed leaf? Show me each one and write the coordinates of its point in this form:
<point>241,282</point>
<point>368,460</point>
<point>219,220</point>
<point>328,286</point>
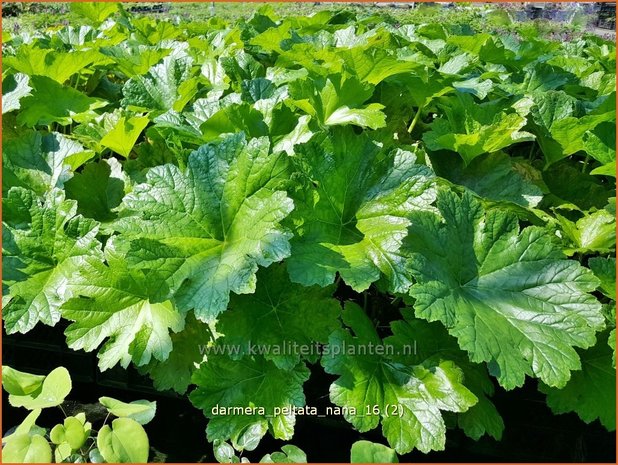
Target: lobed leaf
<point>508,296</point>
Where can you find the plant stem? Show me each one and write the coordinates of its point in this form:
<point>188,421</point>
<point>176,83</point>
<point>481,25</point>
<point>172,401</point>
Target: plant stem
<point>585,165</point>
<point>93,443</point>
<point>415,120</point>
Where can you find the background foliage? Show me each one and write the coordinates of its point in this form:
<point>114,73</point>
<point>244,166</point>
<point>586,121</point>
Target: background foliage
<point>338,179</point>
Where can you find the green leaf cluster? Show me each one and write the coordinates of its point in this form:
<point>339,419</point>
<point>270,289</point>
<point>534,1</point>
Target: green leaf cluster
<point>74,440</point>
<point>174,190</point>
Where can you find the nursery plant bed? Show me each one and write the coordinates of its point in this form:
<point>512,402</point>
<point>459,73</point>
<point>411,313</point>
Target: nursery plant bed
<point>326,237</point>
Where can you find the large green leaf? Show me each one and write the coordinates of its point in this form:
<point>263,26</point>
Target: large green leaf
<point>299,135</point>
<point>240,65</point>
<point>14,88</point>
<point>279,318</point>
<point>44,242</point>
<point>161,88</point>
<point>51,102</point>
<point>134,59</point>
<point>147,30</point>
<point>605,270</point>
<point>223,383</point>
<point>406,399</point>
<point>493,176</point>
<point>600,143</point>
<point>346,117</point>
<point>232,119</point>
<point>508,296</point>
<point>559,129</point>
<point>337,100</point>
<point>124,307</point>
<point>40,162</point>
<point>98,189</point>
<point>352,210</point>
<point>431,342</point>
<point>123,136</point>
<point>92,131</point>
<point>591,392</point>
<point>473,129</point>
<point>55,64</point>
<point>188,350</point>
<point>373,65</point>
<point>210,226</point>
<point>75,36</point>
<point>566,181</point>
<point>594,232</point>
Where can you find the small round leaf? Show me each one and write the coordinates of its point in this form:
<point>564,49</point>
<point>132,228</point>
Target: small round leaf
<point>124,442</point>
<point>62,452</point>
<point>24,448</point>
<point>371,452</point>
<point>75,433</point>
<point>19,383</point>
<point>142,411</point>
<point>224,453</point>
<point>56,386</point>
<point>95,456</point>
<point>57,435</point>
